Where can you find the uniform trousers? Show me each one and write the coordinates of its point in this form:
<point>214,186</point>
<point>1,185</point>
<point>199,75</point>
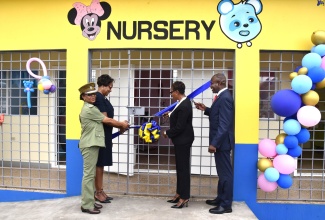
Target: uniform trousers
<point>90,156</point>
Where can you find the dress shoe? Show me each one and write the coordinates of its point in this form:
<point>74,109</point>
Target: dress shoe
<point>101,198</point>
<point>213,202</point>
<point>98,206</point>
<point>174,200</point>
<point>179,206</point>
<point>90,211</point>
<point>220,210</point>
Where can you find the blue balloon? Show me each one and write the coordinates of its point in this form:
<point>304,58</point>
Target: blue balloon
<point>316,74</point>
<point>310,60</point>
<point>291,127</point>
<point>284,181</point>
<point>301,84</point>
<point>295,152</point>
<point>319,49</point>
<point>285,102</point>
<point>281,149</point>
<point>271,174</point>
<point>290,141</point>
<point>303,136</point>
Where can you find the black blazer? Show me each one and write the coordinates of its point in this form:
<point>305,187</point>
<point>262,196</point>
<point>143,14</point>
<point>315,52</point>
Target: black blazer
<point>221,117</point>
<point>181,128</point>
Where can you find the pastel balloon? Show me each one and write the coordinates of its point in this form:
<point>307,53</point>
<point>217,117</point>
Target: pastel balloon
<point>302,71</point>
<point>40,62</point>
<point>285,164</point>
<point>316,74</point>
<point>285,181</point>
<point>266,147</point>
<point>291,127</point>
<point>281,149</point>
<point>264,163</point>
<point>318,37</point>
<point>295,152</point>
<point>319,49</point>
<point>47,84</point>
<point>303,136</point>
<point>265,185</point>
<point>301,84</point>
<point>310,98</point>
<point>311,60</point>
<point>271,174</point>
<point>40,87</point>
<point>308,116</point>
<point>285,102</point>
<point>290,141</point>
<point>280,138</point>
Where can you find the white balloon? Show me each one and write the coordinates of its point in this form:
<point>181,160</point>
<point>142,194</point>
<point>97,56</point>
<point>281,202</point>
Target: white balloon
<point>309,116</point>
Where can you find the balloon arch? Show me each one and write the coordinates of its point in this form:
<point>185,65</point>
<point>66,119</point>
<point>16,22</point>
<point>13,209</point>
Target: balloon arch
<point>297,105</point>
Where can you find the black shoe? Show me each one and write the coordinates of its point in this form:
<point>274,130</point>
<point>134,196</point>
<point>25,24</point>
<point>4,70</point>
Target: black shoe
<point>184,203</point>
<point>174,200</point>
<point>220,210</point>
<point>90,211</point>
<point>213,202</point>
<point>98,206</point>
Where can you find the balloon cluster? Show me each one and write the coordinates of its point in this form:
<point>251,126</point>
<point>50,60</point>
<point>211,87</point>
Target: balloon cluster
<point>297,105</point>
<point>44,83</point>
<point>149,132</point>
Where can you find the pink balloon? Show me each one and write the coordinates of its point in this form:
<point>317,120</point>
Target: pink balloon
<point>267,148</point>
<point>265,185</point>
<point>323,63</point>
<point>30,71</point>
<point>285,164</point>
<point>308,116</point>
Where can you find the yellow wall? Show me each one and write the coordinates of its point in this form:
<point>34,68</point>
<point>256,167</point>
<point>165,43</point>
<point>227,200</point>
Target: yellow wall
<point>43,24</point>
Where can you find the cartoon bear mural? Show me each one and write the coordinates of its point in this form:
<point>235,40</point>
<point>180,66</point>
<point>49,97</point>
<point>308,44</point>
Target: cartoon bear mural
<point>239,22</point>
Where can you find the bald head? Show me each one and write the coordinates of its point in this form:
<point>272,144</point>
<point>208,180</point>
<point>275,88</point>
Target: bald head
<point>220,78</point>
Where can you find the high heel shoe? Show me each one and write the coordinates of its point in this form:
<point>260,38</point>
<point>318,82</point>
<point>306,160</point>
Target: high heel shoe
<point>184,203</point>
<point>174,200</point>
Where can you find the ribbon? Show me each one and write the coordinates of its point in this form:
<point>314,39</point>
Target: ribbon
<point>82,10</point>
<point>116,134</point>
<point>191,96</point>
<point>149,132</point>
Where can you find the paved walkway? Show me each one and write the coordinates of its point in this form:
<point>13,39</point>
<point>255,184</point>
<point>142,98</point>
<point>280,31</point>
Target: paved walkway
<point>122,207</point>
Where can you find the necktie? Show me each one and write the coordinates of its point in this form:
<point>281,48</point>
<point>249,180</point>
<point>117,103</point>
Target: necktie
<point>215,98</point>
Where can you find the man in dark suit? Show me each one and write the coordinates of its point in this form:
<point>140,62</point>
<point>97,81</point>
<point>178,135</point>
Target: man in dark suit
<point>221,141</point>
<point>182,135</point>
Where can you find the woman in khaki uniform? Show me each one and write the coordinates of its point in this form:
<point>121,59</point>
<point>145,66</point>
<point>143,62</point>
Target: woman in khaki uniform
<point>92,138</point>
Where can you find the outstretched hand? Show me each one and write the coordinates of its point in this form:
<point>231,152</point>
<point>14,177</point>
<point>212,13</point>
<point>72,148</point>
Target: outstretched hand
<point>199,106</point>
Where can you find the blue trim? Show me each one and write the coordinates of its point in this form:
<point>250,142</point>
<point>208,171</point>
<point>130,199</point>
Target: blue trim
<point>245,189</point>
<point>73,180</point>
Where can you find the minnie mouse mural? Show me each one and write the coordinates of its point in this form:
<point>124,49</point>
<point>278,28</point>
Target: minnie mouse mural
<point>89,17</point>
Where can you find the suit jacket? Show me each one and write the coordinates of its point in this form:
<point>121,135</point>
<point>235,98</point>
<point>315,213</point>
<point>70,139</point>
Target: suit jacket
<point>221,117</point>
<point>181,128</point>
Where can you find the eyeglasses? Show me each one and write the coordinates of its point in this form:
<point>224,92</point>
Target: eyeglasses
<point>172,91</point>
<point>110,87</point>
<point>91,94</point>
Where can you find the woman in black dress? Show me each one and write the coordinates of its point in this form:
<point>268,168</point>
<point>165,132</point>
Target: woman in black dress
<point>105,156</point>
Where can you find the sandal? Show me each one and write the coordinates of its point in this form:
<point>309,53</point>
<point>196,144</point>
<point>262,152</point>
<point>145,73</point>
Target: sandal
<point>106,196</point>
<point>100,197</point>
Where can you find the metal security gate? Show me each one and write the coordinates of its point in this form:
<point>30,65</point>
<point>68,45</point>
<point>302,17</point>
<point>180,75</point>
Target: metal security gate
<point>142,80</point>
<point>32,140</point>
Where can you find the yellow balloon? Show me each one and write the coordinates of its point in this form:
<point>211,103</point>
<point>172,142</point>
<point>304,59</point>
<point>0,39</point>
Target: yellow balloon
<point>318,37</point>
<point>310,98</point>
<point>280,138</point>
<point>321,84</point>
<point>302,71</point>
<point>40,87</point>
<point>293,75</point>
<point>264,163</point>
